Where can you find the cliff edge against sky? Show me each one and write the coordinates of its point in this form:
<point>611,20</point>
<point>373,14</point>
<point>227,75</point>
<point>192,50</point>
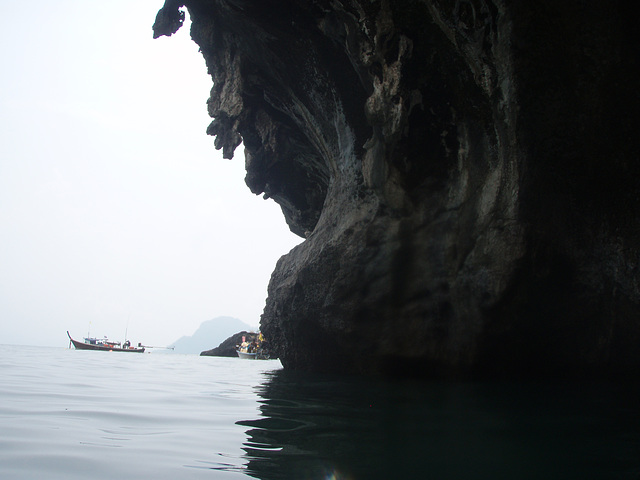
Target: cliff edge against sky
<point>465,173</point>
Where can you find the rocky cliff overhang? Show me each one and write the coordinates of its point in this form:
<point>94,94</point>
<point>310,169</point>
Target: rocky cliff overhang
<point>465,174</point>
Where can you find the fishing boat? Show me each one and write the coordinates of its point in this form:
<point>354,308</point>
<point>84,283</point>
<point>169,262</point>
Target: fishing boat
<point>248,348</point>
<point>103,344</point>
<point>253,349</point>
<point>246,355</point>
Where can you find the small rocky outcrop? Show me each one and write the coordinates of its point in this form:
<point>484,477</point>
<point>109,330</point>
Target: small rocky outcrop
<point>465,172</point>
<point>228,347</point>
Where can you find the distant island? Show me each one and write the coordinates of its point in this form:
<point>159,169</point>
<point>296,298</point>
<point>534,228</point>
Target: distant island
<point>210,334</point>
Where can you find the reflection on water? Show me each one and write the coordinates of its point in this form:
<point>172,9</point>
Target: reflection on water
<point>319,427</point>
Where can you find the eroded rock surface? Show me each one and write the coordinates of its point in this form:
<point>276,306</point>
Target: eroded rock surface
<point>465,174</point>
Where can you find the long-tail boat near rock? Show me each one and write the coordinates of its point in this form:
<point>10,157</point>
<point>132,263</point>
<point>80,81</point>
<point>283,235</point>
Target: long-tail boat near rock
<point>253,348</point>
<point>103,344</point>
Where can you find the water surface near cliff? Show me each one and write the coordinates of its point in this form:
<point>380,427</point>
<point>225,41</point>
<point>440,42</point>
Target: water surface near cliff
<point>72,414</point>
<point>407,429</point>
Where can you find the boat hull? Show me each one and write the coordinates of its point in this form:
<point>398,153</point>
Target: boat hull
<point>103,348</point>
<point>245,355</point>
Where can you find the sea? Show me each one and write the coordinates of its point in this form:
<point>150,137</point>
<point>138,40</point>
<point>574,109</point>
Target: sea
<point>69,414</point>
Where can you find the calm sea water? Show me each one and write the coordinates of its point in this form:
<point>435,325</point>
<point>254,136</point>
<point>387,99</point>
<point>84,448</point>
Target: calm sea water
<point>74,414</point>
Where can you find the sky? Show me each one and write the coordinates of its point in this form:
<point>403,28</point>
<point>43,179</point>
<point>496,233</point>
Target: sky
<point>117,214</point>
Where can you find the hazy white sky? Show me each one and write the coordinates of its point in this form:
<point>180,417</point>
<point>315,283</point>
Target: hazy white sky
<point>116,211</point>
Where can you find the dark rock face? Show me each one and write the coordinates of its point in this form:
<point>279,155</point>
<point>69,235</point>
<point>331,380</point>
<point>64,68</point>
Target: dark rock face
<point>466,174</point>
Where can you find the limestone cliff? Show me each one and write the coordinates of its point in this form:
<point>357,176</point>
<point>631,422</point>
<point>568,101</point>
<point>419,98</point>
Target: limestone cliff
<point>465,173</point>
